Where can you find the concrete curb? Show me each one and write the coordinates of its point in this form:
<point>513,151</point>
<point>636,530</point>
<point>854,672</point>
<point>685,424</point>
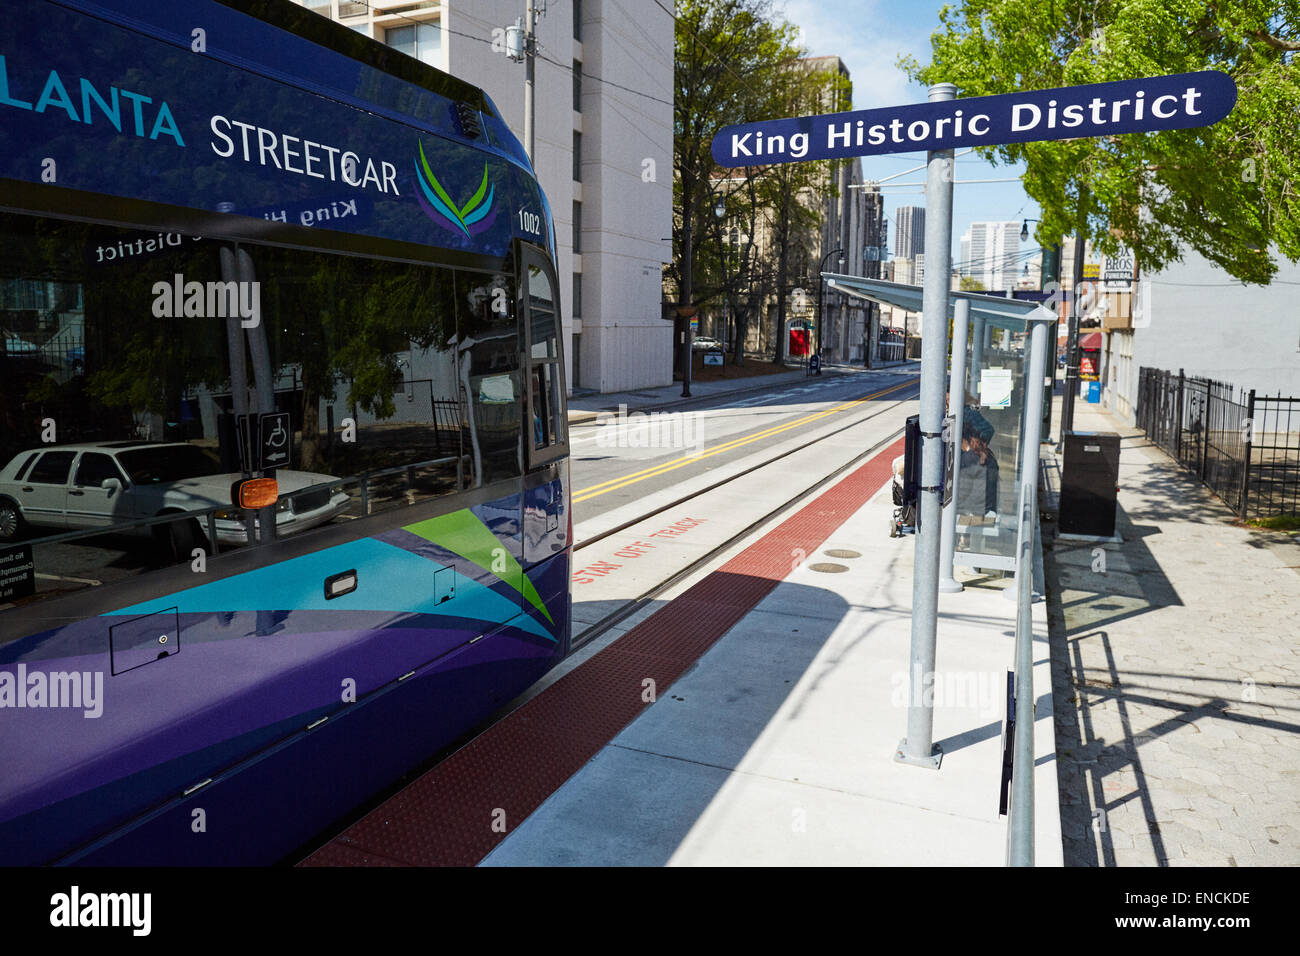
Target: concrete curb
<point>584,416</point>
<point>581,416</point>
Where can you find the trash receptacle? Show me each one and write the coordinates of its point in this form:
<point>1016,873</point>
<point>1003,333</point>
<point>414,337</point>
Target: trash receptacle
<point>1094,392</point>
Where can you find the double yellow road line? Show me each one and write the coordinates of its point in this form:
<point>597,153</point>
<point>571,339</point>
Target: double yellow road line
<point>622,482</point>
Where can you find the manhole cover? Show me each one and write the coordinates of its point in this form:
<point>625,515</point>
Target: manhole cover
<point>826,567</point>
<point>842,553</point>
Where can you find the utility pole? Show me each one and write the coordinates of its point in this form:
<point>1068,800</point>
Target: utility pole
<point>1072,342</point>
<point>684,310</point>
<point>530,56</point>
<point>521,46</point>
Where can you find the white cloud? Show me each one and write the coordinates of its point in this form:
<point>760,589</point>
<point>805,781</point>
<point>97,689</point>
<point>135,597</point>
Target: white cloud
<point>869,40</point>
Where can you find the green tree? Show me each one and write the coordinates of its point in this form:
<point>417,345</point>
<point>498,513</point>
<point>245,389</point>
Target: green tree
<point>733,63</point>
<point>794,193</point>
<point>1227,191</point>
<point>971,284</point>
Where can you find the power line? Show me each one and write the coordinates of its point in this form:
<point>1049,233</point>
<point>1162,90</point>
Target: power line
<point>609,25</point>
<point>488,41</point>
<point>721,62</point>
<point>591,76</point>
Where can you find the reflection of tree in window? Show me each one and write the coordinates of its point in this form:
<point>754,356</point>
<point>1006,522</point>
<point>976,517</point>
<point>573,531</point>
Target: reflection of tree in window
<point>102,364</point>
<point>353,334</point>
<point>489,372</point>
<point>544,375</point>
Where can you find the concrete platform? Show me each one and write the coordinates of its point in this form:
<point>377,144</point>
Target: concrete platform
<point>749,716</point>
<point>777,746</point>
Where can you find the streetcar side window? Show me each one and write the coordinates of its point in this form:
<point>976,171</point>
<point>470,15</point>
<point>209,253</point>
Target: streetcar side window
<point>363,355</point>
<point>547,426</point>
<point>490,374</point>
<point>393,383</point>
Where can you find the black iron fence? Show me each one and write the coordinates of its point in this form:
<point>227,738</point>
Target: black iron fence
<point>1244,447</point>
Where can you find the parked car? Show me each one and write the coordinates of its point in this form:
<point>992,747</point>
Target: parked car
<point>705,343</point>
<point>103,484</point>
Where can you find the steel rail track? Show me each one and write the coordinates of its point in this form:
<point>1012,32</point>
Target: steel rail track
<point>741,474</point>
<point>631,607</point>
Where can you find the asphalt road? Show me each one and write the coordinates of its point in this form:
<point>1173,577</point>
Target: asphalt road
<point>619,460</point>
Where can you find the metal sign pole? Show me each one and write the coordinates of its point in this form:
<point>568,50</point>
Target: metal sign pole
<point>917,747</point>
<point>1020,842</point>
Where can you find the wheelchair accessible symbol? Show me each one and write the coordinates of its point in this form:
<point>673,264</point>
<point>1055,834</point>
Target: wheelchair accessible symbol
<point>277,439</point>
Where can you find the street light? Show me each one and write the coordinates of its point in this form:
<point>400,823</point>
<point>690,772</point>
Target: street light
<point>689,337</point>
<point>821,282</point>
<point>719,212</point>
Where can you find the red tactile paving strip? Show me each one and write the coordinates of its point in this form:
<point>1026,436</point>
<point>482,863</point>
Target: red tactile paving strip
<point>446,817</point>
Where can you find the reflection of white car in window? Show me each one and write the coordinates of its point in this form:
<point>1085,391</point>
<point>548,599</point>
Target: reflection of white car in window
<point>705,343</point>
<point>102,484</point>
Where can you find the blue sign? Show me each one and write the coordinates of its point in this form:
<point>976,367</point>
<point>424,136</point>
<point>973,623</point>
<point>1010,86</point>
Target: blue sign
<point>1180,101</point>
<point>87,103</point>
<point>276,435</point>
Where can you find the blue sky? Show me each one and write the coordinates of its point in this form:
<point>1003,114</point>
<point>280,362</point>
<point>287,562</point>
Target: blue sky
<point>870,36</point>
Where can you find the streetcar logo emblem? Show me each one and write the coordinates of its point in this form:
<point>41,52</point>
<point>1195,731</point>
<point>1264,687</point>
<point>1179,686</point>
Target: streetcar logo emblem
<point>469,219</point>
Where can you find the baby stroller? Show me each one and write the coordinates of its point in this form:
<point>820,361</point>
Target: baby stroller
<point>904,518</point>
<point>907,472</point>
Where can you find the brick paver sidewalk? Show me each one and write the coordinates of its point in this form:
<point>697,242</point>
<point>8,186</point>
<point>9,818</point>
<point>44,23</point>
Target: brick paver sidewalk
<point>1176,675</point>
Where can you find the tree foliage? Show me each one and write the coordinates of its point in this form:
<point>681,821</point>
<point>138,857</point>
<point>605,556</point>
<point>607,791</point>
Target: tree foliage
<point>1226,191</point>
<point>736,62</point>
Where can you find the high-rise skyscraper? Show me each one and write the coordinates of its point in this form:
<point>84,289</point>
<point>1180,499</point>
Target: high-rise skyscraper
<point>990,252</point>
<point>909,236</point>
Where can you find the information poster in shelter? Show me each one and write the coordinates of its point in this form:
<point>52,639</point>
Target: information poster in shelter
<point>995,388</point>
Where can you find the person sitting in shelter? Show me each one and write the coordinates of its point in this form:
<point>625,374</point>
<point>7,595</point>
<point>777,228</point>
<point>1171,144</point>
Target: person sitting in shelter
<point>977,482</point>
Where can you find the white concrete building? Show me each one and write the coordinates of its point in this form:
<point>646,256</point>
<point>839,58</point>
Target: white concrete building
<point>909,271</point>
<point>1201,320</point>
<point>604,95</point>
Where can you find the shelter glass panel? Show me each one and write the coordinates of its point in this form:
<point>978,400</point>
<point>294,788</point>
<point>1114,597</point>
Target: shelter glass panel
<point>988,464</point>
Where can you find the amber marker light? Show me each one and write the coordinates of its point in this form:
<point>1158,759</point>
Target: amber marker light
<point>253,493</point>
